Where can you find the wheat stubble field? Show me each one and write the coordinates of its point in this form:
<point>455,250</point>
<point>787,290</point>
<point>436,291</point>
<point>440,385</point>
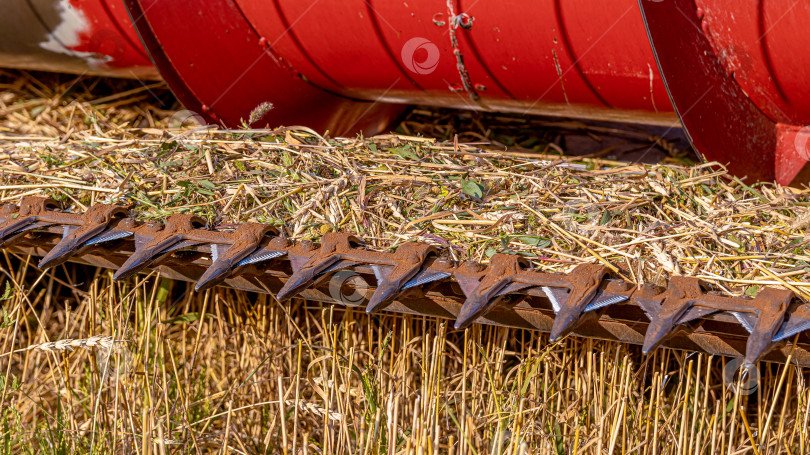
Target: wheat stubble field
<point>88,365</point>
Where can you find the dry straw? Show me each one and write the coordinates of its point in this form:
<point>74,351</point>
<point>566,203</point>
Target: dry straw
<point>259,377</point>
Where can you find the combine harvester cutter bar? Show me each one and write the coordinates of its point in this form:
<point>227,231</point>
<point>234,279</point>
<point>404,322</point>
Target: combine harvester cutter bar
<point>417,278</point>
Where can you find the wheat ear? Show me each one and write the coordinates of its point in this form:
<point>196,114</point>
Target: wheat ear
<point>69,344</point>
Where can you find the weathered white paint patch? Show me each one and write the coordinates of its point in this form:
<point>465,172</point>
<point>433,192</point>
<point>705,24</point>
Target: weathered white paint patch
<point>68,34</point>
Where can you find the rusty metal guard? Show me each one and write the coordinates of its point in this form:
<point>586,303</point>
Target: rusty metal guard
<point>416,278</point>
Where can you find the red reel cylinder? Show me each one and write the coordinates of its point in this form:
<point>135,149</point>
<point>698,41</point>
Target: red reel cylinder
<point>316,61</point>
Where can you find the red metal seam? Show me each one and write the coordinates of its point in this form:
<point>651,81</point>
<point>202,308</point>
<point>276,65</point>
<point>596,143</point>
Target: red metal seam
<point>137,47</point>
<point>766,54</point>
<point>391,56</point>
<point>468,37</point>
<point>291,33</point>
<point>566,39</point>
<point>161,60</point>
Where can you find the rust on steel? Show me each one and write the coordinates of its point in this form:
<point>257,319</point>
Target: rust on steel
<point>416,278</point>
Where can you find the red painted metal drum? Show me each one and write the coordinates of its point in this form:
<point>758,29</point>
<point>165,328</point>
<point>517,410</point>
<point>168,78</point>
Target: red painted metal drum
<point>737,73</point>
<point>339,65</point>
